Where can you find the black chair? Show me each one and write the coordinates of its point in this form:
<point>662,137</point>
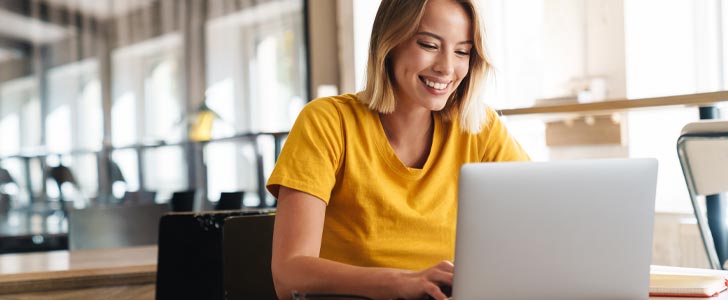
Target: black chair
<point>183,201</point>
<point>60,175</point>
<point>5,177</point>
<point>115,176</point>
<point>230,201</point>
<point>190,256</point>
<point>247,248</point>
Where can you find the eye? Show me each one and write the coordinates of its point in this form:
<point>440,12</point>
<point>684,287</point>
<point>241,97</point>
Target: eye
<point>427,46</point>
<point>462,52</point>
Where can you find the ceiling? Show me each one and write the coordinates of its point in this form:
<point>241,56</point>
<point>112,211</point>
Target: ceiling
<point>27,29</point>
<point>101,9</point>
<point>32,22</point>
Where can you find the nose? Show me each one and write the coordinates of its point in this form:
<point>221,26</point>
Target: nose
<point>444,63</point>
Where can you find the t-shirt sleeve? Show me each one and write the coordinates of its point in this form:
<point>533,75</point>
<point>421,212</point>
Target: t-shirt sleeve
<point>499,144</point>
<point>312,152</point>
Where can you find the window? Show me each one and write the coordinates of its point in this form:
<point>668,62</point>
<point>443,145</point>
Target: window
<point>163,118</point>
<point>147,109</point>
<point>256,83</point>
<point>74,124</point>
<point>544,49</point>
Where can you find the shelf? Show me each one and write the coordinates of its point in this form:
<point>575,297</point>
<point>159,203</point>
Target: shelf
<point>621,105</point>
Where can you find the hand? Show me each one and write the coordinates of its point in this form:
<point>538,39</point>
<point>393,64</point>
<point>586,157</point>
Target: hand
<point>420,284</point>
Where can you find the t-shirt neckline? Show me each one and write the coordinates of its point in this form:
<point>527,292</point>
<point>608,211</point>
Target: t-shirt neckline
<point>391,158</point>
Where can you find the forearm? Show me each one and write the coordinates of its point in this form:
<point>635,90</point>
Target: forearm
<point>309,274</point>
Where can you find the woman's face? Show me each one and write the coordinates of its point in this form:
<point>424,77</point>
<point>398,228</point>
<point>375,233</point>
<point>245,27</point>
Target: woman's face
<point>429,66</point>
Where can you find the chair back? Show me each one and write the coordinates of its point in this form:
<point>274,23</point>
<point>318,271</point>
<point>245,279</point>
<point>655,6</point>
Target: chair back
<point>62,174</point>
<point>702,148</point>
<point>190,256</point>
<point>183,201</point>
<point>5,177</point>
<point>247,247</point>
<point>230,201</point>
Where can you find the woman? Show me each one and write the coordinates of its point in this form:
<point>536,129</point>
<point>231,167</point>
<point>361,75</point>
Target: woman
<point>367,183</point>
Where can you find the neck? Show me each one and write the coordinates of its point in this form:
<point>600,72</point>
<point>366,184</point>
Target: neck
<point>407,126</point>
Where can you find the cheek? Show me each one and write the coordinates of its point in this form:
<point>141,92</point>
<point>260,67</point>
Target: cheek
<point>460,72</point>
<point>408,67</point>
<point>462,69</point>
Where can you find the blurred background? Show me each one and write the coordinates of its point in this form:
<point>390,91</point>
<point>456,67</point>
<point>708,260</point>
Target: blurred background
<point>117,103</point>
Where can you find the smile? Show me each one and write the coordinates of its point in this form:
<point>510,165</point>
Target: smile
<point>435,85</point>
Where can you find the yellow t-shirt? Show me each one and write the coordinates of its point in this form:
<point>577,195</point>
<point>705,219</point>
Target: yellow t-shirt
<point>379,212</point>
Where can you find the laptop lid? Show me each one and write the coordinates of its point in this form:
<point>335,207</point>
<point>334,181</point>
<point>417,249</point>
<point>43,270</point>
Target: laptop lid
<point>555,230</point>
<point>247,247</point>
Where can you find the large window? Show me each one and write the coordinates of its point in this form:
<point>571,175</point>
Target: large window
<point>74,127</point>
<point>256,83</point>
<point>147,109</point>
<point>20,131</point>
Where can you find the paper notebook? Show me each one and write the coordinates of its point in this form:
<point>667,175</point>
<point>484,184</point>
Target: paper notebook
<point>686,282</point>
<point>721,296</point>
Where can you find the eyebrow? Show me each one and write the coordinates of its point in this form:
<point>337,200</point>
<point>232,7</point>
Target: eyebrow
<point>430,34</point>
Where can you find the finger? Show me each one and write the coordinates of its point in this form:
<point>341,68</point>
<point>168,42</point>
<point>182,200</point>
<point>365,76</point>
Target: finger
<point>440,277</point>
<point>434,291</point>
<point>446,265</point>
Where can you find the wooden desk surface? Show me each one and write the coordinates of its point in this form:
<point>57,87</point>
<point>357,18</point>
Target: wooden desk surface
<point>103,270</point>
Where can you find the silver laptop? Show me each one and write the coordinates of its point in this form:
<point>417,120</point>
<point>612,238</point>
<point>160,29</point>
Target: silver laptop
<point>555,230</point>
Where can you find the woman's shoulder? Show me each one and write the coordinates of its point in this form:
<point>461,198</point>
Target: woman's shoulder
<point>491,117</point>
<point>341,105</point>
<point>333,101</point>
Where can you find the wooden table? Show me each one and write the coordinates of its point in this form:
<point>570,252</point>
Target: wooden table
<point>124,273</point>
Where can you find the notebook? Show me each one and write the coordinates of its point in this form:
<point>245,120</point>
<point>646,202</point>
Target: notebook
<point>555,230</point>
<point>686,282</point>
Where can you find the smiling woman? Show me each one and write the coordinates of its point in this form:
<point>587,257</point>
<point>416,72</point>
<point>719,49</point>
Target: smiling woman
<point>367,182</point>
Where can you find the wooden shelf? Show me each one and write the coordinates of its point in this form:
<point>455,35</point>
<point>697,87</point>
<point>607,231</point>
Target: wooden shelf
<point>610,106</point>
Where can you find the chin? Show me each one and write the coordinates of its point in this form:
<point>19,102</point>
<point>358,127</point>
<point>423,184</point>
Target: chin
<point>438,105</point>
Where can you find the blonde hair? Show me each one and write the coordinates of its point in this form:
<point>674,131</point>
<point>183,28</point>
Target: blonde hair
<point>396,22</point>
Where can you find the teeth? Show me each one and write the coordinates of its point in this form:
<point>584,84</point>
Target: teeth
<point>435,85</point>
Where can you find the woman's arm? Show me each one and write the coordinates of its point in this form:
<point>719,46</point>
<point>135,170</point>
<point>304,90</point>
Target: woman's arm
<point>296,264</point>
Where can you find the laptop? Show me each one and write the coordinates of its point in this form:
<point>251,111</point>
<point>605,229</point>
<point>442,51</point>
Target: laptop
<point>555,230</point>
<point>247,245</point>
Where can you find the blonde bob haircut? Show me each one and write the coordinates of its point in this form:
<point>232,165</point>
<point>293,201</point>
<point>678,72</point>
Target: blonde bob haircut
<point>396,22</point>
